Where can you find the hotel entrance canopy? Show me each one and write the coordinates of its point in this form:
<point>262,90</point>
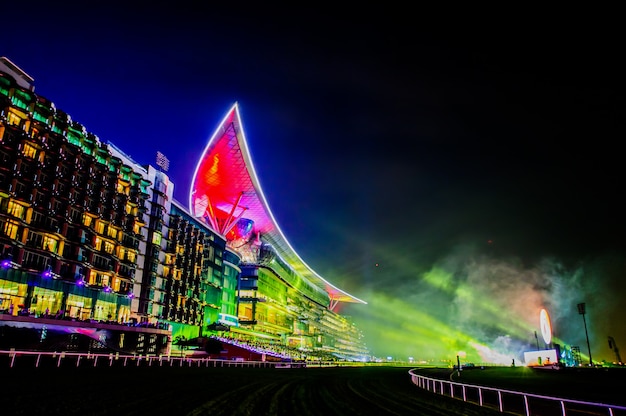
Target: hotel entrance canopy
<point>226,193</point>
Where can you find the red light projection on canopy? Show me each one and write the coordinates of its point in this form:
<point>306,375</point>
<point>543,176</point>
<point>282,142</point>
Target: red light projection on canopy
<point>226,193</point>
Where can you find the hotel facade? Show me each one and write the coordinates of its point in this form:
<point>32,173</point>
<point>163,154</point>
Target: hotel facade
<point>96,254</point>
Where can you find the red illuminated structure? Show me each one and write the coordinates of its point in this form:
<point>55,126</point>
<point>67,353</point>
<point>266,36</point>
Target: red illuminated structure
<point>226,192</point>
<point>280,298</point>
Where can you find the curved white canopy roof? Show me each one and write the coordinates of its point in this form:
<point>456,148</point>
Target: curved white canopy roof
<point>226,189</point>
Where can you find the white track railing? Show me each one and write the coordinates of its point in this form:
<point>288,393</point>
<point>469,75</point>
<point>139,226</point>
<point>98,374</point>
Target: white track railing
<point>448,388</point>
<point>25,359</point>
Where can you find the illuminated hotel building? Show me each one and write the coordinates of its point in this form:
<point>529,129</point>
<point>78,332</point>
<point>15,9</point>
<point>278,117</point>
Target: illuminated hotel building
<point>93,245</point>
<point>74,217</point>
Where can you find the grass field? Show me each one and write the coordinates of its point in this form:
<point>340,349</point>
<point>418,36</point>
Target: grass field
<point>141,390</point>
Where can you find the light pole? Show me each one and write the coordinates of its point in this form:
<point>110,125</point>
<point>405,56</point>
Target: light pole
<point>537,339</point>
<point>581,310</point>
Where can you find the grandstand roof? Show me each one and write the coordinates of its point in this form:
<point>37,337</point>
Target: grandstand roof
<point>226,192</point>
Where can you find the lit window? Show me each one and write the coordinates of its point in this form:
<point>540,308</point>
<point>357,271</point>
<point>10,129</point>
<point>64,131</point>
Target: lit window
<point>10,230</point>
<point>16,210</point>
<point>98,243</point>
<point>29,151</point>
<point>87,220</point>
<point>13,119</point>
<point>109,247</point>
<point>50,244</point>
<point>123,188</point>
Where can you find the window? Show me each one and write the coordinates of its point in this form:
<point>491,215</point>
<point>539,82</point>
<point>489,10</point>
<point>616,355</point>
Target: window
<point>62,170</point>
<point>123,188</point>
<point>101,159</point>
<point>131,256</point>
<point>99,227</point>
<point>34,261</point>
<point>109,247</point>
<point>13,119</point>
<point>43,178</point>
<point>55,206</point>
<point>16,210</point>
<point>29,150</point>
<point>4,157</point>
<point>87,220</point>
<point>160,184</point>
<point>115,284</point>
<point>40,199</point>
<point>159,199</point>
<point>34,239</point>
<point>73,138</point>
<point>18,100</point>
<point>5,85</point>
<point>98,279</point>
<point>58,188</point>
<point>112,232</point>
<point>52,225</point>
<point>10,229</point>
<point>75,214</point>
<point>74,195</point>
<point>50,244</point>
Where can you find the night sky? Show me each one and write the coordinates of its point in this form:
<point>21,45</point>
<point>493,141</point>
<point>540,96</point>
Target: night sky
<point>458,174</point>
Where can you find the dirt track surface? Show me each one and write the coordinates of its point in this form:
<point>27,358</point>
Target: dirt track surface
<point>224,391</point>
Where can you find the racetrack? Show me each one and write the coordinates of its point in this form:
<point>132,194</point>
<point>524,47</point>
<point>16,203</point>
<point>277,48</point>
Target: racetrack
<point>223,391</point>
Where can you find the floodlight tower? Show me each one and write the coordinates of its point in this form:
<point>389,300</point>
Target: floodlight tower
<point>581,310</point>
<point>613,346</point>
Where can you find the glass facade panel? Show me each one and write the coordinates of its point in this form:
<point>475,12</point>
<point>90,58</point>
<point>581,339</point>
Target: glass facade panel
<point>46,302</point>
<point>12,296</point>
